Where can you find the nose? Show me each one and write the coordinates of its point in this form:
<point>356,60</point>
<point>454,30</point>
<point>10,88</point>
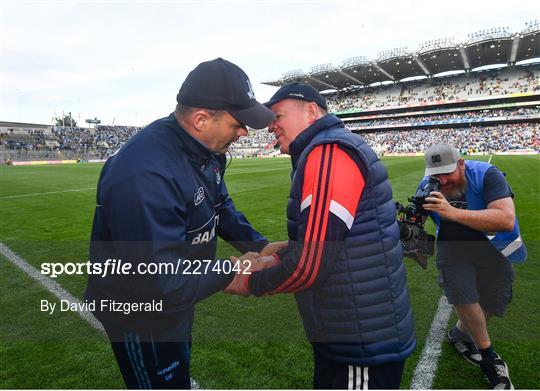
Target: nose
<point>271,127</point>
<point>242,132</point>
<point>443,179</point>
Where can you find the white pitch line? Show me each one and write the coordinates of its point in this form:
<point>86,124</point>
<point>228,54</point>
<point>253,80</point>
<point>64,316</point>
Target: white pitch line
<point>489,160</point>
<point>55,288</point>
<point>426,368</point>
<point>49,284</point>
<point>47,192</point>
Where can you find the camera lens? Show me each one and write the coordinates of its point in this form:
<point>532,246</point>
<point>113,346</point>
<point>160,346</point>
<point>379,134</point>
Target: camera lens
<point>405,232</point>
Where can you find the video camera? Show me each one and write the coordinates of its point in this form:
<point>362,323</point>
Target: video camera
<point>417,243</point>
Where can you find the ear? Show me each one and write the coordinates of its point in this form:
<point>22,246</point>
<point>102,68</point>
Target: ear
<point>200,120</point>
<point>312,112</point>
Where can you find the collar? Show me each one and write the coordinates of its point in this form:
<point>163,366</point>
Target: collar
<point>303,139</point>
<point>193,148</point>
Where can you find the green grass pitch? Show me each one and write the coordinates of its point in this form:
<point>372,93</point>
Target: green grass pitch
<point>238,343</point>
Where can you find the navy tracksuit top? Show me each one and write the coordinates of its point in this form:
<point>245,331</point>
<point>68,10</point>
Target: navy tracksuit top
<point>162,198</point>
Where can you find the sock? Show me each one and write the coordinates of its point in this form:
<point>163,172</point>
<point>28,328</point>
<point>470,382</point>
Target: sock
<point>487,353</point>
<point>460,335</point>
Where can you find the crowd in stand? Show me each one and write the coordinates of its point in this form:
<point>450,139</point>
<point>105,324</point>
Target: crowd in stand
<point>76,139</point>
<point>508,137</point>
<point>458,88</point>
<point>503,138</point>
<point>109,138</point>
<point>100,142</point>
<point>522,112</point>
<point>256,139</point>
<point>33,140</point>
<point>103,141</point>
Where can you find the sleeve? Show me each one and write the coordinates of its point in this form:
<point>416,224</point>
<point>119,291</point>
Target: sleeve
<point>331,190</point>
<point>495,186</point>
<point>421,184</point>
<point>147,219</point>
<point>235,228</point>
<point>282,252</point>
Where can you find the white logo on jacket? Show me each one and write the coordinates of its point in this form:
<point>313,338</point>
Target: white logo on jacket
<point>208,235</point>
<point>199,196</point>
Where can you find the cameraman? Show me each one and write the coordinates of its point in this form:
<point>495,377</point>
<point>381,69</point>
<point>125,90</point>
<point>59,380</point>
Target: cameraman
<point>477,238</point>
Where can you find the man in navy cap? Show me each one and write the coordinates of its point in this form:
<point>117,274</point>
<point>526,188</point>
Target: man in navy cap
<point>477,239</point>
<point>161,199</point>
<point>344,259</point>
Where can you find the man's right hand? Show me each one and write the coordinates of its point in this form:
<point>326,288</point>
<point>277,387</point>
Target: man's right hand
<point>239,284</point>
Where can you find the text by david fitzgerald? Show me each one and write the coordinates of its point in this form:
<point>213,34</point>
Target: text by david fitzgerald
<point>102,306</point>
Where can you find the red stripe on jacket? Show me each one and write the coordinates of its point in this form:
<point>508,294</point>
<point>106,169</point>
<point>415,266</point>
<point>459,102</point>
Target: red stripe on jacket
<point>340,179</point>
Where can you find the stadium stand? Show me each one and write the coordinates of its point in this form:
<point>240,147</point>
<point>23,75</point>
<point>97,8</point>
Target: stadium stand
<point>405,101</point>
<point>61,142</point>
<point>444,90</point>
<point>257,143</point>
<point>519,114</point>
<point>401,102</point>
<point>502,138</point>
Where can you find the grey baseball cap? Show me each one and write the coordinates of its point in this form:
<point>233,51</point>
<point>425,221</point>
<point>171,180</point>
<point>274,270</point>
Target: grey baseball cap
<point>441,159</point>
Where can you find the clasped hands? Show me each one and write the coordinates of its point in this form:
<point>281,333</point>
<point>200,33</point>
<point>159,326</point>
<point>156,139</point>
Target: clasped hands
<point>252,262</point>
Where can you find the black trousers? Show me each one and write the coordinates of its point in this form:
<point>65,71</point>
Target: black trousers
<point>332,375</point>
<point>147,363</point>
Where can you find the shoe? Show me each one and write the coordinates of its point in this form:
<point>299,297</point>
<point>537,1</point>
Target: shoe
<point>497,373</point>
<point>467,349</point>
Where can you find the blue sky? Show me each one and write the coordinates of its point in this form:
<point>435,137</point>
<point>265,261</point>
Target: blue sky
<point>124,61</point>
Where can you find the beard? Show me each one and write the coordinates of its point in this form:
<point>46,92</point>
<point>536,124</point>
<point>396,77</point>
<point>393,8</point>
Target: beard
<point>457,193</point>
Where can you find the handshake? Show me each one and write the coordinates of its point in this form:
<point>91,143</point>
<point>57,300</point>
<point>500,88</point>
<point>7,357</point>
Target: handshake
<point>257,261</point>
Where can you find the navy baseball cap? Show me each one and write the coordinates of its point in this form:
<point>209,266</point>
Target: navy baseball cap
<point>222,85</point>
<point>297,91</point>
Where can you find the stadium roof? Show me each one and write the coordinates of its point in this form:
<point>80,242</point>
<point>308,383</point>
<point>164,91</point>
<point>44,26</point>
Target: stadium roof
<point>486,47</point>
<point>7,124</point>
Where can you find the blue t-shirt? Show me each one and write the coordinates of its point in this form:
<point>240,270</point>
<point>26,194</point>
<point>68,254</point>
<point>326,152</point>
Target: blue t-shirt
<point>495,187</point>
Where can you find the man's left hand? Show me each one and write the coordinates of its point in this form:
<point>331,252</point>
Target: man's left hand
<point>273,247</point>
